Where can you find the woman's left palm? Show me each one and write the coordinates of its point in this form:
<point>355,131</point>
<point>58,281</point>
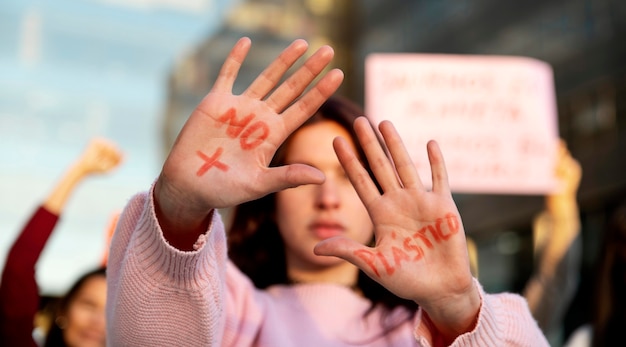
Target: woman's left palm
<point>420,252</point>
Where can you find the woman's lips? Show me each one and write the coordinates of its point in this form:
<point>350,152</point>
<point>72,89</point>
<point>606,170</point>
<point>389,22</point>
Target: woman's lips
<point>324,230</point>
<point>93,336</point>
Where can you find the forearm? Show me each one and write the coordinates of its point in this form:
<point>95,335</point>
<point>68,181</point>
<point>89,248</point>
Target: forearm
<point>565,230</point>
<point>56,201</point>
<point>557,258</point>
<point>19,293</point>
<point>148,279</point>
<point>549,296</point>
<point>559,224</point>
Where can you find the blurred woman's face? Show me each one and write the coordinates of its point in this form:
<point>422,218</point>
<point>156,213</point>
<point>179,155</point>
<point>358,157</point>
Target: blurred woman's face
<point>309,214</point>
<point>86,315</point>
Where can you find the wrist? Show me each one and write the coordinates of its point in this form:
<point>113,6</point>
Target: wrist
<point>562,206</point>
<point>457,315</point>
<point>180,223</point>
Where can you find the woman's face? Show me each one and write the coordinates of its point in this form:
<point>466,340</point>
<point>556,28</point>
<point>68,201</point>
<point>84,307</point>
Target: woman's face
<point>309,214</point>
<point>86,315</point>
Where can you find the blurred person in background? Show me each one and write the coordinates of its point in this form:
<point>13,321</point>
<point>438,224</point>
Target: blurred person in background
<point>557,250</point>
<point>80,317</point>
<point>608,318</point>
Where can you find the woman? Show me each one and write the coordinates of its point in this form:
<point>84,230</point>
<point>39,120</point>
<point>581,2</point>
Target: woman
<point>171,282</point>
<point>80,320</point>
<point>255,242</point>
<point>19,293</point>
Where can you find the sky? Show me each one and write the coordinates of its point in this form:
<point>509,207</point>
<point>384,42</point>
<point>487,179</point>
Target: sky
<point>71,70</point>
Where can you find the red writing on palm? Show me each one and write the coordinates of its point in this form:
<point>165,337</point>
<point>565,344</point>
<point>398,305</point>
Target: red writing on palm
<point>250,136</point>
<point>411,250</point>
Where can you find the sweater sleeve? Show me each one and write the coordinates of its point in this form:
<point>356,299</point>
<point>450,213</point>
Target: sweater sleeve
<point>158,295</point>
<point>503,320</point>
<point>19,293</point>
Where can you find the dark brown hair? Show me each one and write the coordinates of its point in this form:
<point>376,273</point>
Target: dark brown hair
<point>55,336</point>
<point>609,316</point>
<point>255,244</point>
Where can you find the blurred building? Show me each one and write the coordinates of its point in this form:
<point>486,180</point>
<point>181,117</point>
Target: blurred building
<point>581,39</point>
<point>70,71</point>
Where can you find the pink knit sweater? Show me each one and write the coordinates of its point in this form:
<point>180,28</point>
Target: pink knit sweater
<point>160,296</point>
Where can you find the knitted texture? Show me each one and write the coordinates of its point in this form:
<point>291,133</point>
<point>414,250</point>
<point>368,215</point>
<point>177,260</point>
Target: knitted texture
<point>161,296</point>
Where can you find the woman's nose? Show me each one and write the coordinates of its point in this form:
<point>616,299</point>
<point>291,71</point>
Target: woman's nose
<point>327,194</point>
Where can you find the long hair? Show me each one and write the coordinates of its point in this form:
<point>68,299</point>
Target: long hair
<point>55,337</point>
<point>609,317</point>
<point>255,244</point>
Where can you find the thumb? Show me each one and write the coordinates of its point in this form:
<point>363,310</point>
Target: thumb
<point>342,247</point>
<point>290,176</point>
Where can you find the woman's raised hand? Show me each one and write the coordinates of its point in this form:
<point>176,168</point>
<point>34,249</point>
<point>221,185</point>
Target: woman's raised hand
<point>100,156</point>
<point>420,252</point>
<point>221,155</point>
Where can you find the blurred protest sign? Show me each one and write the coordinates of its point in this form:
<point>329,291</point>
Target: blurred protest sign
<point>494,117</point>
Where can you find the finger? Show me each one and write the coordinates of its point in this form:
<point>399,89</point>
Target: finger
<point>311,101</point>
<point>232,64</point>
<point>342,247</point>
<point>379,162</point>
<point>293,87</point>
<point>290,176</point>
<point>402,160</point>
<point>438,168</point>
<point>359,177</point>
<point>339,246</point>
<point>270,77</point>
